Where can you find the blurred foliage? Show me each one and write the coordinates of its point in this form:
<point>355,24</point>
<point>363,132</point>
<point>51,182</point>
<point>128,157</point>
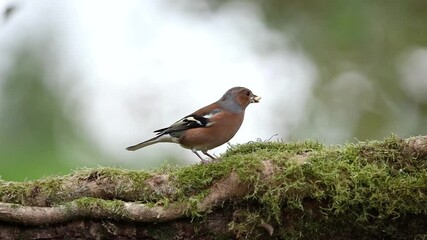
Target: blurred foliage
<point>364,37</point>
<point>30,122</point>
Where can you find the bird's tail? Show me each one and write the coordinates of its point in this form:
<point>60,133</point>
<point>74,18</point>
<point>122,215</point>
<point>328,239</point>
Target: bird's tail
<point>151,141</point>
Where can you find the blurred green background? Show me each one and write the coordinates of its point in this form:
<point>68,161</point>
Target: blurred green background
<point>381,46</point>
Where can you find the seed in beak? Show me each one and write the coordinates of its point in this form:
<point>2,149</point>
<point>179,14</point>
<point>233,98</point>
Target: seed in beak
<point>255,99</point>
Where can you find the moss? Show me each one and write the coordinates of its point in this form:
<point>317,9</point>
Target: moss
<point>98,207</point>
<point>128,184</point>
<point>246,223</point>
<point>365,184</point>
<point>41,192</point>
<point>12,192</point>
<point>317,191</point>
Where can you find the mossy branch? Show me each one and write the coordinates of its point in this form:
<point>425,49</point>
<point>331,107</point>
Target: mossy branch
<point>288,189</point>
<point>87,207</point>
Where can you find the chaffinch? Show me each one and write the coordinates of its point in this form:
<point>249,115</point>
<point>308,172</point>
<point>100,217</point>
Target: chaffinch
<point>208,127</point>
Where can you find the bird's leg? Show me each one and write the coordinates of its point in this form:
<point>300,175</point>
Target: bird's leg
<point>203,160</point>
<point>207,154</point>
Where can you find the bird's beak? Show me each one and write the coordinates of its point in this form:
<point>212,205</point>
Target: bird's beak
<point>255,99</point>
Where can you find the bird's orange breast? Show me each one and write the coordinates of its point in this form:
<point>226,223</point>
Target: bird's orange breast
<point>225,126</point>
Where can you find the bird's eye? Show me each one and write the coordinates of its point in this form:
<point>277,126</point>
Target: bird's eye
<point>248,93</point>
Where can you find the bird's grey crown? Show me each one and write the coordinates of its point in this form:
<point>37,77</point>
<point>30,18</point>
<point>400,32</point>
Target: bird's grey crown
<point>228,101</point>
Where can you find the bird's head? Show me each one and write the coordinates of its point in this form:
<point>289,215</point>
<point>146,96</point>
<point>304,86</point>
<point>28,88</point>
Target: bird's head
<point>239,97</point>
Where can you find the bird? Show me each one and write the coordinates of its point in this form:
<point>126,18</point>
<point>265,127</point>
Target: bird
<point>209,127</point>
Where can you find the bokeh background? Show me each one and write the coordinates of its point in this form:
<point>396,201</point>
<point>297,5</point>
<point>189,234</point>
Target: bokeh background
<point>81,80</point>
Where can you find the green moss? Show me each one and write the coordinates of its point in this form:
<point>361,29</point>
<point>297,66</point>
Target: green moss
<point>114,175</point>
<point>42,192</point>
<point>12,192</point>
<point>359,189</point>
<point>127,184</point>
<point>246,224</point>
<point>364,183</point>
<point>98,207</point>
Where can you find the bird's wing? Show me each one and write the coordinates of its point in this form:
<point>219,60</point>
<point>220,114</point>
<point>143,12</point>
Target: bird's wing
<point>190,121</point>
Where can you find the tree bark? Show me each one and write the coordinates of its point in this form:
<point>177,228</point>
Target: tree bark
<point>302,190</point>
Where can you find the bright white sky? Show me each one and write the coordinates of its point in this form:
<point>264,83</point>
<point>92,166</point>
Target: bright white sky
<point>136,66</point>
